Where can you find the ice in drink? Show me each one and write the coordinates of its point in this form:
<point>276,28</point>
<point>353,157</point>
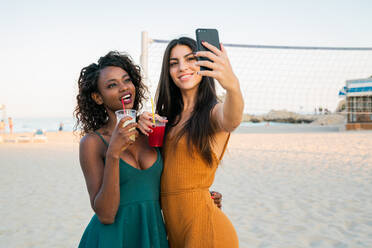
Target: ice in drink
<point>120,114</point>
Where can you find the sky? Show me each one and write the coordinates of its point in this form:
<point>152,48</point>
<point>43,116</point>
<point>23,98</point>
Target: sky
<point>45,44</point>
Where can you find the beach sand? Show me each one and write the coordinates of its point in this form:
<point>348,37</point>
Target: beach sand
<point>280,189</point>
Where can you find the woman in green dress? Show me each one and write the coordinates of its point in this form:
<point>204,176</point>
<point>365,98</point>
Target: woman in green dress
<point>122,175</point>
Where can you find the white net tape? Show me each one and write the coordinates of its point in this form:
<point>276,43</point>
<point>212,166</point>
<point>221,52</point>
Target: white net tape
<point>298,79</point>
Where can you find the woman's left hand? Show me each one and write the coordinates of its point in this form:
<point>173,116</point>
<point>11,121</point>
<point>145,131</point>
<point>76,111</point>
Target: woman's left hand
<point>220,67</point>
<point>217,198</point>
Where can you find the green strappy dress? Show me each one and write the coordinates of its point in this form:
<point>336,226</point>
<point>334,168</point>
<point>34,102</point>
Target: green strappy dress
<point>138,222</point>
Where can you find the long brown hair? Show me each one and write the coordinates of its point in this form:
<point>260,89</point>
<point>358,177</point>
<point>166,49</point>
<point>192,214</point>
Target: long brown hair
<point>199,128</point>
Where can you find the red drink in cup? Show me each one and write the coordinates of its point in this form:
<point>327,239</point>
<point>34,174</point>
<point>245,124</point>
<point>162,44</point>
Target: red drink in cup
<point>157,135</point>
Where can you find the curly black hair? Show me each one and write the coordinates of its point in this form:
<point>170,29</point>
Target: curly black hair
<point>89,115</point>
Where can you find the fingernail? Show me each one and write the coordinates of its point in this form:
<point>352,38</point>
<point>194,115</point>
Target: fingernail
<point>203,41</point>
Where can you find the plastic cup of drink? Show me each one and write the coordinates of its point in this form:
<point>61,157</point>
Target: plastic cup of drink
<point>157,135</point>
<point>120,114</point>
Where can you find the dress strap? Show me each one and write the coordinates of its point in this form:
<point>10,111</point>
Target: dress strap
<point>158,152</point>
<point>224,147</point>
<point>104,141</point>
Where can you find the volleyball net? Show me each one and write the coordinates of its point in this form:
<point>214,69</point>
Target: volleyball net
<point>304,80</point>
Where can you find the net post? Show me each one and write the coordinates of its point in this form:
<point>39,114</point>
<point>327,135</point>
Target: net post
<point>144,55</point>
<point>3,110</point>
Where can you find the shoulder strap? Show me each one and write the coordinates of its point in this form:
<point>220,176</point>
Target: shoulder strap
<point>224,147</point>
<point>158,151</point>
<point>104,141</point>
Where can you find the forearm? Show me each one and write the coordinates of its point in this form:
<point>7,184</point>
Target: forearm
<point>233,108</point>
<point>107,200</point>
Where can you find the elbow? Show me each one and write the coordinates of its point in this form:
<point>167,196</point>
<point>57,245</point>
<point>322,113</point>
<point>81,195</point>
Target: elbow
<point>106,217</point>
<point>232,120</point>
<point>231,126</point>
<point>106,220</point>
<point>105,214</point>
<point>235,125</point>
<point>238,122</point>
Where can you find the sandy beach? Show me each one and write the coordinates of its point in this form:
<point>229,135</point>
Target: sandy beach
<point>281,188</point>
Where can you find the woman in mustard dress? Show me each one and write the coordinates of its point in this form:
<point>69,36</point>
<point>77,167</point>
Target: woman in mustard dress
<point>197,134</point>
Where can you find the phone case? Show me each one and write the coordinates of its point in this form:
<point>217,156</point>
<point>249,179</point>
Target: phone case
<point>210,36</point>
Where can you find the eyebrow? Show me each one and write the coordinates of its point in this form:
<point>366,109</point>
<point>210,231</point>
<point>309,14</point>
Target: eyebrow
<point>114,80</point>
<point>183,56</point>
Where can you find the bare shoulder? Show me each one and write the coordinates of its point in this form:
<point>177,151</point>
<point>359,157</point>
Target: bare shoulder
<point>90,141</point>
<point>91,146</point>
<point>92,163</point>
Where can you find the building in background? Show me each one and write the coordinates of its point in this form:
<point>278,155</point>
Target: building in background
<point>358,94</point>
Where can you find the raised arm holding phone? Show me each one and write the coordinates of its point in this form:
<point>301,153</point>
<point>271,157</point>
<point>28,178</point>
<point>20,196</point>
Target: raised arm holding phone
<point>197,134</point>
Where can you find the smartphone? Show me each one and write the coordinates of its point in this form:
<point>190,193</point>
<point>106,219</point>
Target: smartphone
<point>210,36</point>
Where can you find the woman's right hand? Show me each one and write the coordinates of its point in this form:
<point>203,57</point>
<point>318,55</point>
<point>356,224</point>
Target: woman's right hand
<point>145,122</point>
<point>120,138</point>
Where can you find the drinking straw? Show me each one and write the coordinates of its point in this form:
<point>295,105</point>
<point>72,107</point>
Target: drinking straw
<point>122,101</point>
<point>153,113</point>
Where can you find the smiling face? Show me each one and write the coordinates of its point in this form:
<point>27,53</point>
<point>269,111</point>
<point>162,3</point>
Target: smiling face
<point>115,85</point>
<point>182,68</point>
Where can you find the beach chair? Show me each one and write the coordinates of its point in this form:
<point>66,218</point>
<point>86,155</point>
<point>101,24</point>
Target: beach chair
<point>22,139</point>
<point>39,136</point>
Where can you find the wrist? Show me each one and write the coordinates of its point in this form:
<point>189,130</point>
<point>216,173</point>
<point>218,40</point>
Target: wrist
<point>234,88</point>
<point>112,155</point>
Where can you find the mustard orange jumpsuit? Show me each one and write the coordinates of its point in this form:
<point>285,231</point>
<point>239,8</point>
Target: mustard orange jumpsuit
<point>192,219</point>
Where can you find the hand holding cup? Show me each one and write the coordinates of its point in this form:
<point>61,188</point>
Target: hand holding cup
<point>123,135</point>
<point>146,123</point>
<point>126,112</point>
